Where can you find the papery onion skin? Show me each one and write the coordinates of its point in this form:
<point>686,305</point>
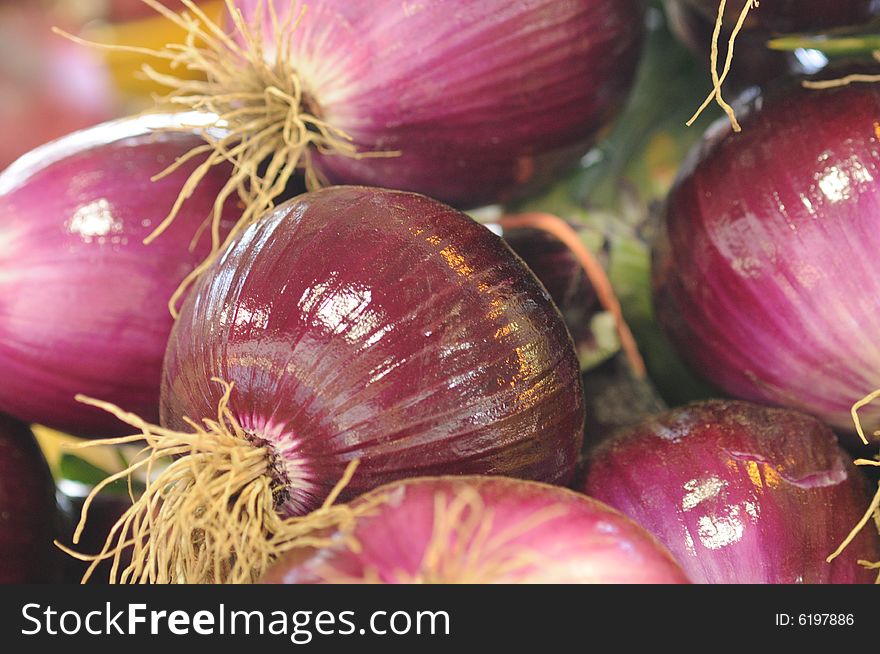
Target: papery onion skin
<point>361,323</point>
<point>482,99</point>
<point>28,512</point>
<point>83,302</point>
<point>763,270</point>
<point>740,493</point>
<point>561,537</point>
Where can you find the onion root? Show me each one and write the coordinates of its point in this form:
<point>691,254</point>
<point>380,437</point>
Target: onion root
<point>209,516</point>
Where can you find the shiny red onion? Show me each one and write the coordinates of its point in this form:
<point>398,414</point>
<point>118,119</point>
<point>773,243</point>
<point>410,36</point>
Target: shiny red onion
<point>83,302</point>
<point>479,98</point>
<point>361,323</point>
<point>48,86</point>
<point>740,493</point>
<point>349,326</point>
<point>764,270</point>
<point>483,530</point>
<point>28,512</point>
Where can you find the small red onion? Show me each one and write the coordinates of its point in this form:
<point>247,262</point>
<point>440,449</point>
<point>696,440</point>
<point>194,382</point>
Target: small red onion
<point>82,299</point>
<point>348,324</point>
<point>28,512</point>
<point>764,275</point>
<point>483,530</point>
<point>740,493</point>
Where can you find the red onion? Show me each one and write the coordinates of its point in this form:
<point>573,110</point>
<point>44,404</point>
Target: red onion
<point>792,15</point>
<point>353,324</point>
<point>739,493</point>
<point>468,102</point>
<point>482,530</point>
<point>48,86</point>
<point>82,299</point>
<point>763,272</point>
<point>28,513</point>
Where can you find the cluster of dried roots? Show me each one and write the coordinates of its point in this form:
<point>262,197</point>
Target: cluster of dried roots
<point>210,515</point>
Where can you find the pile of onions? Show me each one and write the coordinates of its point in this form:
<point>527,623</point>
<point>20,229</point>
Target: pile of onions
<point>28,513</point>
<point>468,102</point>
<point>764,271</point>
<point>483,530</point>
<point>349,324</point>
<point>48,86</point>
<point>82,299</point>
<point>740,493</point>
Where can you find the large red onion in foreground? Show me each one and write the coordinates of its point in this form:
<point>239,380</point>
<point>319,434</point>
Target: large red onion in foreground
<point>28,513</point>
<point>484,530</point>
<point>353,323</point>
<point>765,275</point>
<point>381,325</point>
<point>82,299</point>
<point>740,493</point>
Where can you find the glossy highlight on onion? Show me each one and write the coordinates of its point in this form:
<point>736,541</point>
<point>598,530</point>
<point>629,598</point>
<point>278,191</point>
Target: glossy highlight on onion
<point>349,324</point>
<point>559,270</point>
<point>28,512</point>
<point>740,493</point>
<point>484,530</point>
<point>764,270</point>
<point>82,299</point>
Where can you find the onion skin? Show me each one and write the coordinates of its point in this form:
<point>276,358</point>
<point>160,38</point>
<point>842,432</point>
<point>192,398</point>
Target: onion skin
<point>579,541</point>
<point>360,323</point>
<point>763,280</point>
<point>28,512</point>
<point>83,302</point>
<point>562,275</point>
<point>740,493</point>
<point>498,101</point>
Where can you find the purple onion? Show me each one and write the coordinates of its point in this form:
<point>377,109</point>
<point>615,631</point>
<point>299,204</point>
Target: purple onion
<point>380,325</point>
<point>740,493</point>
<point>83,302</point>
<point>28,512</point>
<point>763,273</point>
<point>348,325</point>
<point>467,102</point>
<point>483,530</point>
